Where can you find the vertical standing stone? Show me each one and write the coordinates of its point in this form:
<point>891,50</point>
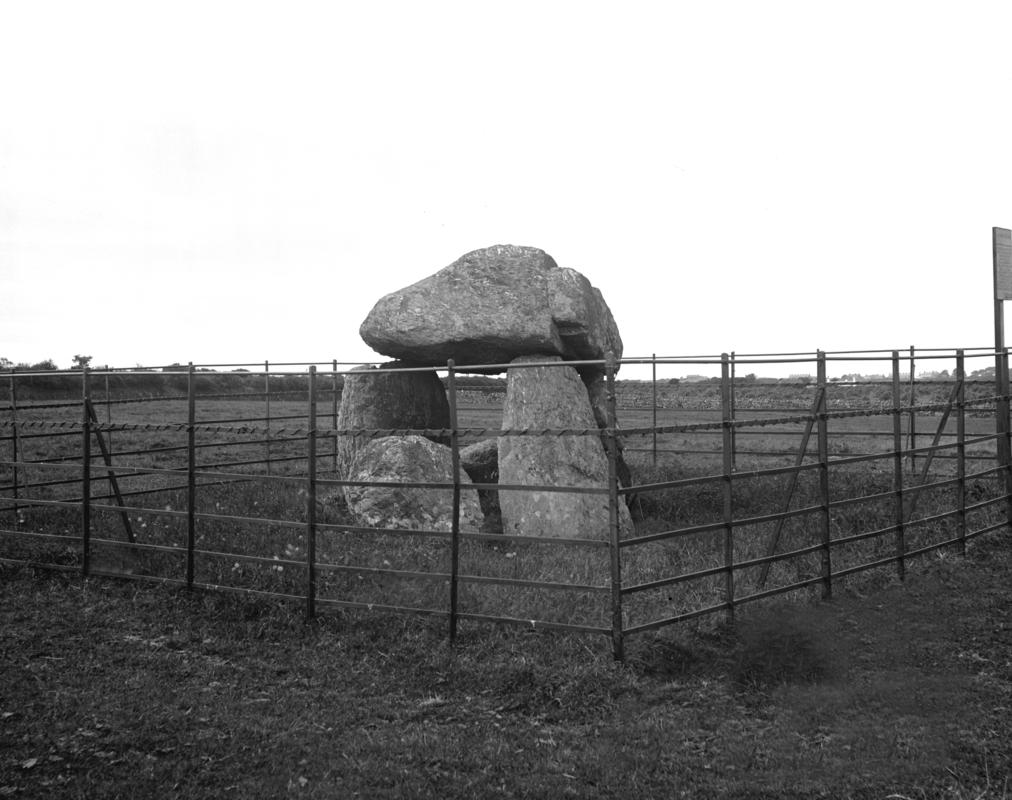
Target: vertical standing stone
<point>552,397</point>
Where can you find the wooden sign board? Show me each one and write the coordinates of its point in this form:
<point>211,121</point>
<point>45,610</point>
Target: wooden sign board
<point>1002,243</point>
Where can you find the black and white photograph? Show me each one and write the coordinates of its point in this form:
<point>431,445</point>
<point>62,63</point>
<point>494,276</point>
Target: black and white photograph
<point>505,400</point>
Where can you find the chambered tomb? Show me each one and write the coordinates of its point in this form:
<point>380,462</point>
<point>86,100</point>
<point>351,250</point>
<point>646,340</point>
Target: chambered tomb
<point>501,308</point>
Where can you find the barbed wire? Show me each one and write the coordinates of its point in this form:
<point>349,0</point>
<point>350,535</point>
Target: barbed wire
<point>247,430</point>
<point>373,433</point>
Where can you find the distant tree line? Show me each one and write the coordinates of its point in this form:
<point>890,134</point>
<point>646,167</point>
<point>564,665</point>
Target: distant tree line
<point>172,380</point>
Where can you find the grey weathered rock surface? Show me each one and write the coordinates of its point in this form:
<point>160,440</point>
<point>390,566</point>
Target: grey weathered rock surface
<point>481,462</point>
<point>552,398</point>
<point>490,306</point>
<point>409,459</point>
<point>384,399</point>
<point>597,391</point>
<point>582,317</point>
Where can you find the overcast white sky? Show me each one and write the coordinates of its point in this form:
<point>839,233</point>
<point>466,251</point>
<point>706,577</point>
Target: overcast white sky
<point>235,182</point>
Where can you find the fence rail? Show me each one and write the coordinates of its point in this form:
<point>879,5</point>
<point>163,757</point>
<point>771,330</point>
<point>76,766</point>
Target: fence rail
<point>716,526</point>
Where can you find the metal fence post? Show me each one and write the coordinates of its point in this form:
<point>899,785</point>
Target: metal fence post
<point>14,449</point>
<point>267,413</point>
<point>451,385</point>
<point>85,471</point>
<point>1006,433</point>
<point>108,416</point>
<point>734,436</point>
<point>611,436</point>
<point>961,449</point>
<point>1001,413</point>
<point>899,513</point>
<point>311,501</point>
<point>191,472</point>
<point>334,418</point>
<point>913,414</point>
<point>823,439</point>
<point>653,384</point>
<point>727,448</point>
<point>1003,447</point>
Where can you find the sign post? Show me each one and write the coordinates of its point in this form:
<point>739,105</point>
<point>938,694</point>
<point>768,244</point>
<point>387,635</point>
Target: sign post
<point>1001,247</point>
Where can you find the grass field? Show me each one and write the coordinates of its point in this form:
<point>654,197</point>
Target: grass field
<point>113,688</point>
<point>251,534</point>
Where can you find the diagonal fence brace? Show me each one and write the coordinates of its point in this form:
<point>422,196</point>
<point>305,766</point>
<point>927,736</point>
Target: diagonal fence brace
<point>113,480</point>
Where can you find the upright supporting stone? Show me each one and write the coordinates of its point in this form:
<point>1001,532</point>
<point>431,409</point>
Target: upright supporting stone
<point>552,398</point>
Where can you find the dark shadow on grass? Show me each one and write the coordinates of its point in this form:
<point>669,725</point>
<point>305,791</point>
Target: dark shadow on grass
<point>781,646</point>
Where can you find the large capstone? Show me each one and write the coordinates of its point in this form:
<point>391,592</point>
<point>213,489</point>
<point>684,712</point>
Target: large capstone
<point>542,398</point>
<point>491,306</point>
<point>409,459</point>
<point>388,399</point>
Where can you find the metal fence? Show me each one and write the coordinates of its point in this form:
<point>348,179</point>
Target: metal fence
<point>226,478</point>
